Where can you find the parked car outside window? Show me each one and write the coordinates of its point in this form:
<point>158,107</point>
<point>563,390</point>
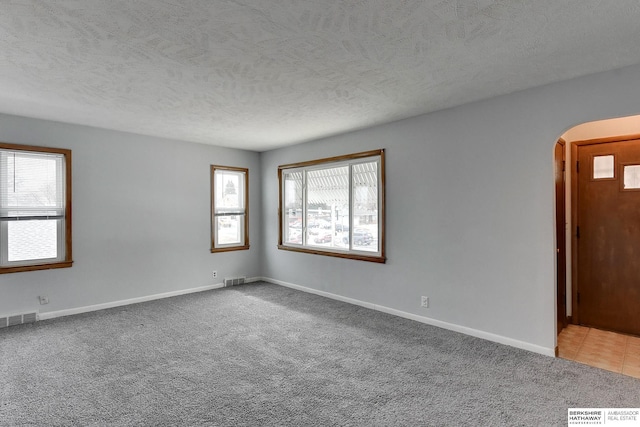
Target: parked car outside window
<point>323,238</point>
<point>361,237</point>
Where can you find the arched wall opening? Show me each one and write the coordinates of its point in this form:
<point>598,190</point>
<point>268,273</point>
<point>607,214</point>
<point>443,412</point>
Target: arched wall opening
<point>601,131</point>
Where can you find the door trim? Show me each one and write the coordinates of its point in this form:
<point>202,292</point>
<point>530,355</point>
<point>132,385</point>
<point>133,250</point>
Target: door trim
<point>575,315</point>
<point>561,231</point>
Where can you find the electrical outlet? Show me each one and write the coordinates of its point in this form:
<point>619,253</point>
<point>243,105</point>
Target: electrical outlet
<point>424,302</point>
<point>43,300</point>
<point>215,274</point>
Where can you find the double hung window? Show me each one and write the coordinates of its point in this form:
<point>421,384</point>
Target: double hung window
<point>334,206</point>
<point>35,208</point>
<point>229,210</point>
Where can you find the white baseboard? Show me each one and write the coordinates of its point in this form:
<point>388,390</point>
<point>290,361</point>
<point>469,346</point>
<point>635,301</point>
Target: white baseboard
<point>422,319</point>
<point>112,304</point>
<point>427,320</point>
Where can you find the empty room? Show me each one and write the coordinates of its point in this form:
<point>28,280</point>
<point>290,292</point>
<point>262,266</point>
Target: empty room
<point>320,213</point>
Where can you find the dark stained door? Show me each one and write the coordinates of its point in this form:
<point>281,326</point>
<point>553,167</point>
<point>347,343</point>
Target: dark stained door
<point>609,236</point>
<point>561,247</point>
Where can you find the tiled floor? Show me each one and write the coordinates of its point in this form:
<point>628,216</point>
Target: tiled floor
<point>602,349</point>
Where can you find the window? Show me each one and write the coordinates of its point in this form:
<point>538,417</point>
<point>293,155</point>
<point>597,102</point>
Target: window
<point>35,208</point>
<point>334,206</point>
<point>631,177</point>
<point>229,207</point>
<point>603,167</point>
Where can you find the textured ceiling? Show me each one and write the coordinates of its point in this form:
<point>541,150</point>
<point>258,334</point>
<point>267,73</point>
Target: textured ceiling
<point>258,74</point>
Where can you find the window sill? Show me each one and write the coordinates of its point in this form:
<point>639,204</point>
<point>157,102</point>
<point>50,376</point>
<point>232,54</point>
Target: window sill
<point>17,269</point>
<point>359,257</point>
<point>230,248</point>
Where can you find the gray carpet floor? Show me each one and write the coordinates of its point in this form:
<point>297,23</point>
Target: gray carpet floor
<point>261,355</point>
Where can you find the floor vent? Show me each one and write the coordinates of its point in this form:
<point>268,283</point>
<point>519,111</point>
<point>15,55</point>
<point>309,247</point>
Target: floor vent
<point>18,319</point>
<point>233,281</point>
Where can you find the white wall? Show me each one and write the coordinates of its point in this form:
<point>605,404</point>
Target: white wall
<point>470,209</point>
<point>141,218</point>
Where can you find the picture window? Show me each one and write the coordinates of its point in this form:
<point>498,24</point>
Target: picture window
<point>334,206</point>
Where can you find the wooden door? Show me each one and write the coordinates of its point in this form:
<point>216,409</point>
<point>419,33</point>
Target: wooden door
<point>609,236</point>
<point>561,247</point>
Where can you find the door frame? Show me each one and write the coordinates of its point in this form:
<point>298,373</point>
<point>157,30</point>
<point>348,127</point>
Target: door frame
<point>575,221</point>
<point>561,234</point>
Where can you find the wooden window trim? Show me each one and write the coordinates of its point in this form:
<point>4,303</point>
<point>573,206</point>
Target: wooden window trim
<point>381,258</point>
<point>68,259</point>
<point>245,243</point>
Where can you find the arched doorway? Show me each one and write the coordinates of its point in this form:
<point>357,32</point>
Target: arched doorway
<point>603,275</point>
<point>595,267</point>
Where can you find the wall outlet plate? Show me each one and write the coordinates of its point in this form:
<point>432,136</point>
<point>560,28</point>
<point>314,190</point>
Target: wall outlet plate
<point>43,300</point>
<point>424,302</point>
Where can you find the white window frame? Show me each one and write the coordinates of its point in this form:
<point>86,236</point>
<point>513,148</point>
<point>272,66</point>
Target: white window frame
<point>60,213</point>
<point>218,212</point>
<point>350,161</point>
